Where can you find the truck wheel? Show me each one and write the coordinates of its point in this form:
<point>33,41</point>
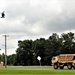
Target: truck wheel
<point>74,66</point>
<point>61,67</point>
<point>69,66</point>
<point>55,66</point>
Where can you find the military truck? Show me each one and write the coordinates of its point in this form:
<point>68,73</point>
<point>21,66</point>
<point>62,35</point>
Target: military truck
<point>64,60</point>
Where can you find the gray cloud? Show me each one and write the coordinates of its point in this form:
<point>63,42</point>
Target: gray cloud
<point>33,19</point>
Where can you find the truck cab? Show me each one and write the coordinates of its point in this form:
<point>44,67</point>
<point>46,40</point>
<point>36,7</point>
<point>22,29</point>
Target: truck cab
<point>54,59</point>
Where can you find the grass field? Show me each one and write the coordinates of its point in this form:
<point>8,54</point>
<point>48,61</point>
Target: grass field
<point>34,70</point>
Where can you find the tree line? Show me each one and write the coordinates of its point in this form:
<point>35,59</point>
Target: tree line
<point>28,50</point>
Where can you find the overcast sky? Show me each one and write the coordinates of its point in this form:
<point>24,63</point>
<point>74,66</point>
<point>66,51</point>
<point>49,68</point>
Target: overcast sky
<point>32,19</point>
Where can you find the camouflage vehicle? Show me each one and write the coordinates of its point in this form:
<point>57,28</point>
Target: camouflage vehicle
<point>64,60</point>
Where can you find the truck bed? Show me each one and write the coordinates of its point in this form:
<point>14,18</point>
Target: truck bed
<point>66,57</point>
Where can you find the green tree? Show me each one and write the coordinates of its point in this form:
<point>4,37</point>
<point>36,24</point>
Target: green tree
<point>52,48</point>
<point>24,52</point>
<point>28,50</point>
<point>3,57</point>
<point>11,59</point>
<point>68,44</point>
<point>38,48</point>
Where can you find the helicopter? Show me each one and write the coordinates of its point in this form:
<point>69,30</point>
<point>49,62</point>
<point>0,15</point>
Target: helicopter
<point>3,14</point>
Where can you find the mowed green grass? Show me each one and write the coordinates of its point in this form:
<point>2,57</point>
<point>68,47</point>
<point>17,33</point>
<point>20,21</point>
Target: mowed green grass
<point>34,70</point>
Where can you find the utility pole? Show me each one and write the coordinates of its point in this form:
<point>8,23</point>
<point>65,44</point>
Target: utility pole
<point>5,50</point>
